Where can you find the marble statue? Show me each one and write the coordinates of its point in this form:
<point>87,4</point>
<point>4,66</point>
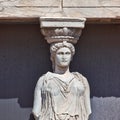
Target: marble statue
<point>61,94</point>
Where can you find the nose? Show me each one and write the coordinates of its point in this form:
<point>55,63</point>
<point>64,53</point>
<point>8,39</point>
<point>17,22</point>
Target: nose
<point>64,57</point>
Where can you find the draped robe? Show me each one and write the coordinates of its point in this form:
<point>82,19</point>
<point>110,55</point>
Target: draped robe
<point>55,99</point>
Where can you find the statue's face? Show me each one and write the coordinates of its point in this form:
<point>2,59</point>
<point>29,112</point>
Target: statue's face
<point>63,57</point>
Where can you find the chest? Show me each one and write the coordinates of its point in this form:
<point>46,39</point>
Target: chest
<point>56,87</point>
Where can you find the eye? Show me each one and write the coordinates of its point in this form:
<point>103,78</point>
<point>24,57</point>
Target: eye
<point>67,53</point>
<point>60,53</point>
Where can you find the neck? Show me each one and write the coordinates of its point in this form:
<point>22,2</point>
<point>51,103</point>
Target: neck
<point>62,70</point>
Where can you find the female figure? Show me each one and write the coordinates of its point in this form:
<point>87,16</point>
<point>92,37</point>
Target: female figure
<point>62,95</point>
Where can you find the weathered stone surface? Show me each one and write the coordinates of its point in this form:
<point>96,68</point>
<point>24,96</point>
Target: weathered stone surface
<point>93,12</point>
<point>29,3</point>
<point>62,22</point>
<point>75,8</point>
<point>38,3</point>
<point>73,3</point>
<point>59,29</point>
<point>26,11</point>
<point>55,12</point>
<point>91,3</point>
<point>9,2</point>
<point>107,108</point>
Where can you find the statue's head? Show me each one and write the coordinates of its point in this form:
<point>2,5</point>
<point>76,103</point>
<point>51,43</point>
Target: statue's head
<point>61,53</point>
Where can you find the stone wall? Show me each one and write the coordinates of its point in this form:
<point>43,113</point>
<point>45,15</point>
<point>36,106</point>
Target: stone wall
<point>91,9</point>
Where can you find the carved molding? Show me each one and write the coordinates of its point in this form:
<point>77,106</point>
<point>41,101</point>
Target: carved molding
<point>59,29</point>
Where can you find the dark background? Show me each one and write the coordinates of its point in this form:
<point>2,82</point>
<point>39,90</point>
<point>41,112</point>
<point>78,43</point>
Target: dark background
<point>24,57</point>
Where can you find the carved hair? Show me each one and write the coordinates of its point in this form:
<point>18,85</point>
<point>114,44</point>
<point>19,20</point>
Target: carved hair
<point>55,46</point>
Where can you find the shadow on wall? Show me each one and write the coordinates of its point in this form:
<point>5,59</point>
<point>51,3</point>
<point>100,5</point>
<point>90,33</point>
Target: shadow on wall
<point>98,58</point>
<point>23,59</point>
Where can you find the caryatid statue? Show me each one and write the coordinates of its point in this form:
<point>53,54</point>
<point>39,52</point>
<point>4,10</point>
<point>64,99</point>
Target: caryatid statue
<point>61,94</point>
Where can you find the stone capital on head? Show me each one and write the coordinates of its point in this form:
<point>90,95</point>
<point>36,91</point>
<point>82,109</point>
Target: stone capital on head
<point>62,29</point>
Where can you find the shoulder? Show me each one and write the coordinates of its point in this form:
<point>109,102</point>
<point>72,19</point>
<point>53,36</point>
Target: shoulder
<point>44,78</point>
<point>81,77</point>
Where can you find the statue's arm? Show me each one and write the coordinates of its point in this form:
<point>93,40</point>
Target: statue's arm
<point>86,94</point>
<point>87,97</point>
<point>37,99</point>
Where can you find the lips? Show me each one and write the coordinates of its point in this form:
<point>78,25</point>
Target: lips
<point>64,60</point>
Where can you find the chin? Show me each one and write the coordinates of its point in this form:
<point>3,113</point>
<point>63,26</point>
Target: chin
<point>64,65</point>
